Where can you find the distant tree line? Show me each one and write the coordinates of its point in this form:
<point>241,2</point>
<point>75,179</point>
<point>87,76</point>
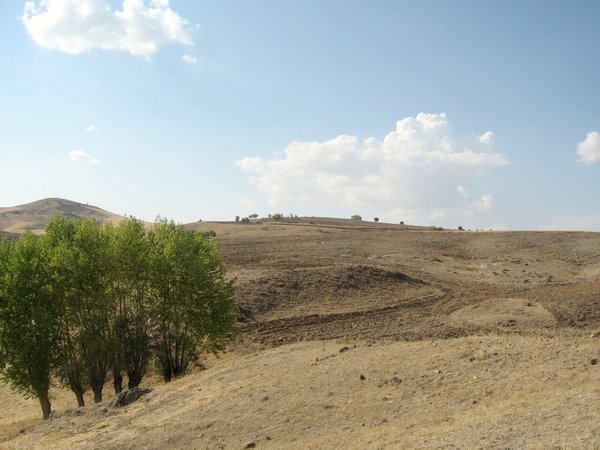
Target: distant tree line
<point>86,301</point>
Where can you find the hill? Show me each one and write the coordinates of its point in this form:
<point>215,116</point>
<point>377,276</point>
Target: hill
<point>36,215</point>
<point>470,339</point>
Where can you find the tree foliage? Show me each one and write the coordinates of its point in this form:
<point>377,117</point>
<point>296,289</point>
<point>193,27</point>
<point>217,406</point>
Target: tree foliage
<point>28,318</point>
<point>193,300</point>
<point>86,300</point>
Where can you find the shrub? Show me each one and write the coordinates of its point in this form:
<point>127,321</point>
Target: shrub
<point>376,219</point>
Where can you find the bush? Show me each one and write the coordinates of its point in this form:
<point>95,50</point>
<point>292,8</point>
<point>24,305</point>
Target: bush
<point>376,219</point>
<point>237,218</point>
<point>277,216</point>
<point>460,228</point>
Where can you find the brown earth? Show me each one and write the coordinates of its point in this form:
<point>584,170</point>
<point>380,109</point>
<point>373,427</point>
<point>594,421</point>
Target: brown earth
<point>36,215</point>
<point>463,339</point>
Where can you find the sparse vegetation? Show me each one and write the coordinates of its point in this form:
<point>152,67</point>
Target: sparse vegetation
<point>253,216</point>
<point>277,216</point>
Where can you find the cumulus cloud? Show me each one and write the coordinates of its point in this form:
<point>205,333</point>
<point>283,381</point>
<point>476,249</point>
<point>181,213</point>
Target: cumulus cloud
<point>416,167</point>
<point>189,59</point>
<point>82,157</point>
<point>487,137</point>
<point>78,26</point>
<point>589,149</point>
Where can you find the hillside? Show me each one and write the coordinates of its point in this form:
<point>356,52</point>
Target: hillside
<point>36,215</point>
<point>470,339</point>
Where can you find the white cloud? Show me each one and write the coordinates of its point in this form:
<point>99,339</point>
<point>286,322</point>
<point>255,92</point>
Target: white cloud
<point>589,222</point>
<point>77,26</point>
<point>189,59</point>
<point>90,128</point>
<point>82,157</point>
<point>415,169</point>
<point>589,149</point>
<point>487,137</point>
<point>484,203</point>
<point>248,203</point>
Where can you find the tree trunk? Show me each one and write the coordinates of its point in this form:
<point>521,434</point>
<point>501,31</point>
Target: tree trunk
<point>135,378</point>
<point>78,391</point>
<point>45,403</point>
<point>97,390</point>
<point>117,381</point>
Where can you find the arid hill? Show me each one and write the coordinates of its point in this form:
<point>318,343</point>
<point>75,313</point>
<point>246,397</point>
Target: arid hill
<point>372,335</point>
<point>35,216</point>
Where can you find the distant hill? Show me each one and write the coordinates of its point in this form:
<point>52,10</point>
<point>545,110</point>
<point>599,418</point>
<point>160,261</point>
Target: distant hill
<point>36,215</point>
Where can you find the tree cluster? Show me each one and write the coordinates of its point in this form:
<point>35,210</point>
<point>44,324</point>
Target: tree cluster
<point>86,301</point>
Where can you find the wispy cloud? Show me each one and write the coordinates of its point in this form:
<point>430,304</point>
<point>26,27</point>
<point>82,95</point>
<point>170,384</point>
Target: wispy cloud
<point>78,26</point>
<point>80,156</point>
<point>586,222</point>
<point>190,59</point>
<point>90,128</point>
<point>248,203</point>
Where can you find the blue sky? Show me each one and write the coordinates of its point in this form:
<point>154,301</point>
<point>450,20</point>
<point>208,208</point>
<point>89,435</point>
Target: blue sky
<point>195,109</point>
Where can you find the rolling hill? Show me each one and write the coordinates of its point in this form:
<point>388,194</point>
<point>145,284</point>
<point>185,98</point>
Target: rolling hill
<point>36,215</point>
<point>365,335</point>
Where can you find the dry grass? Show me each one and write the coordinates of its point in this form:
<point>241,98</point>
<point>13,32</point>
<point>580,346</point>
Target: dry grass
<point>464,339</point>
<point>36,215</point>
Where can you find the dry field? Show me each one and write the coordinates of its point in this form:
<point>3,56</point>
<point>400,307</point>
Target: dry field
<point>364,335</point>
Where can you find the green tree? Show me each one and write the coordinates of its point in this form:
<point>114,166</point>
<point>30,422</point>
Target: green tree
<point>28,318</point>
<point>193,300</point>
<point>82,269</point>
<point>71,367</point>
<point>132,325</point>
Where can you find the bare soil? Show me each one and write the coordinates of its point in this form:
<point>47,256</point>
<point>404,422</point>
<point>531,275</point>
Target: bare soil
<point>463,339</point>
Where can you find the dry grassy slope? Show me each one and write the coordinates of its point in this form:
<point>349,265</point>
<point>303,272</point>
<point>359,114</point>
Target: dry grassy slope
<point>35,216</point>
<point>488,391</point>
<point>489,333</point>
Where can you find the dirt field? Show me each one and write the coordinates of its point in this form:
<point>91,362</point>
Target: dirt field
<point>470,339</point>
